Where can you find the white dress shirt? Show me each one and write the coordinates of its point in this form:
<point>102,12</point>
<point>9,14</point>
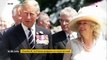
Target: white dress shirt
<point>27,31</point>
<point>73,35</point>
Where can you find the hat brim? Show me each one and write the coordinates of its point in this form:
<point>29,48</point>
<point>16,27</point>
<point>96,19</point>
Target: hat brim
<point>73,24</point>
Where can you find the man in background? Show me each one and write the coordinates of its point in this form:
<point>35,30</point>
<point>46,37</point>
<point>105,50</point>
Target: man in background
<point>60,38</point>
<point>44,21</point>
<point>3,25</point>
<point>16,14</point>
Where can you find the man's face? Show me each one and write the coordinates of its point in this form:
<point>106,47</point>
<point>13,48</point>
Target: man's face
<point>46,22</point>
<point>3,25</point>
<point>17,17</point>
<point>29,15</point>
<point>64,21</point>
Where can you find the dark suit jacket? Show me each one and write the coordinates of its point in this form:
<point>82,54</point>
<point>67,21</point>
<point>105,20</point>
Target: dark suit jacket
<point>59,42</point>
<point>15,39</point>
<point>0,35</point>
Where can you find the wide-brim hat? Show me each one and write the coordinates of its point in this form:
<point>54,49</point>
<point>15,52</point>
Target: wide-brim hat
<point>73,24</point>
<point>88,15</point>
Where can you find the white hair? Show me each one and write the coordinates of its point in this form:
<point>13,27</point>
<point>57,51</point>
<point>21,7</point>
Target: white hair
<point>68,11</point>
<point>15,8</point>
<point>32,2</point>
<point>42,16</point>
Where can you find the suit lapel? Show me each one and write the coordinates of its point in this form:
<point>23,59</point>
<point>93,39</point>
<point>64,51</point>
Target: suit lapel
<point>64,39</point>
<point>22,40</point>
<point>64,42</point>
<point>21,37</point>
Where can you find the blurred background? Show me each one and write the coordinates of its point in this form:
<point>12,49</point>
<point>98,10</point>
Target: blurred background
<point>51,7</point>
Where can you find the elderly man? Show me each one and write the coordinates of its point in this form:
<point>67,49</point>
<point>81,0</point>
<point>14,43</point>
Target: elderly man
<point>16,14</point>
<point>60,39</point>
<point>44,21</point>
<point>3,25</point>
<point>24,36</point>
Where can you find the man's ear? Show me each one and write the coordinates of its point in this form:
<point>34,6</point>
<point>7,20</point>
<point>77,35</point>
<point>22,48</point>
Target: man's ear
<point>20,17</point>
<point>41,22</point>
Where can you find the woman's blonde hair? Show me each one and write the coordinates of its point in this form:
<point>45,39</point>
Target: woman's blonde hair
<point>96,30</point>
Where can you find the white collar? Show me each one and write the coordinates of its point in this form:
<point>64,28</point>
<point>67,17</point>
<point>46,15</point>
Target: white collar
<point>26,28</point>
<point>72,35</point>
<point>27,31</point>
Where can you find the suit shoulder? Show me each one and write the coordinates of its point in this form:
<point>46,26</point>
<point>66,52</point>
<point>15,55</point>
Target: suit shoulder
<point>59,36</point>
<point>0,35</point>
<point>12,29</point>
<point>9,30</point>
<point>38,28</point>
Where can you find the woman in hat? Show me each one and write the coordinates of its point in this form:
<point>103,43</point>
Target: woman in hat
<point>89,45</point>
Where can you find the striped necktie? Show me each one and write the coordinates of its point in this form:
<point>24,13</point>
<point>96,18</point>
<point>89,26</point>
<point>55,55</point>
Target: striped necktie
<point>68,37</point>
<point>31,39</point>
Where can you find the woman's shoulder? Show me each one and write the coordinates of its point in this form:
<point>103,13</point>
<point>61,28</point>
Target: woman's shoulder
<point>74,40</point>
